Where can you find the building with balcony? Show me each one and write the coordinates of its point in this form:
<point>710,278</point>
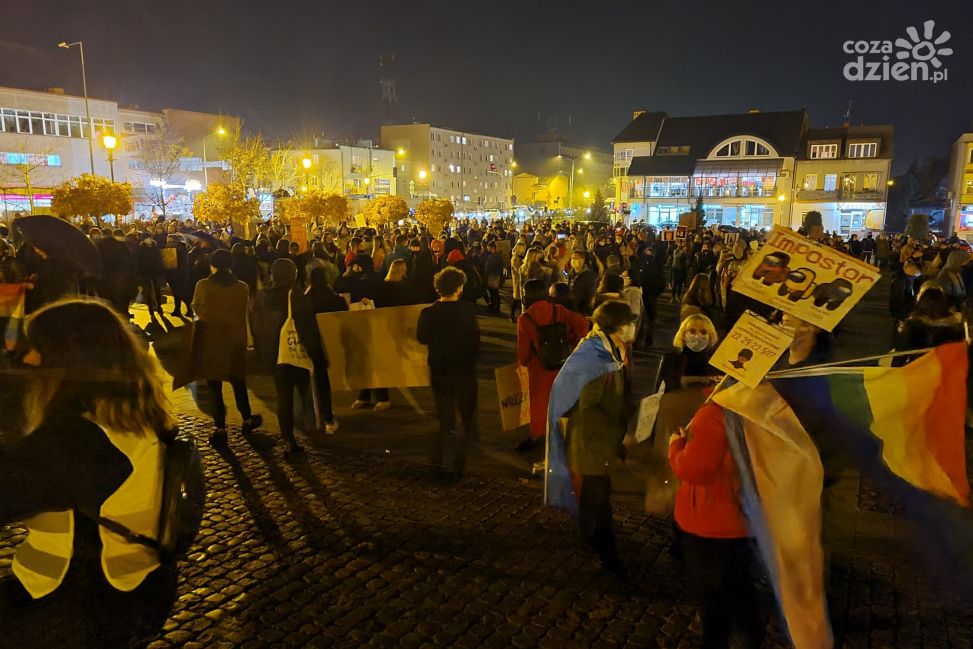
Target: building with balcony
<point>472,170</point>
<point>44,142</point>
<point>752,170</point>
<point>843,173</point>
<point>959,209</point>
<point>739,165</point>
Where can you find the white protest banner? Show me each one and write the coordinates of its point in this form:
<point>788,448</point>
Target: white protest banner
<point>812,282</point>
<point>374,348</point>
<point>514,395</point>
<point>648,411</point>
<point>750,349</point>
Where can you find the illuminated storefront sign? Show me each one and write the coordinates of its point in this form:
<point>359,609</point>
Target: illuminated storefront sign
<point>34,159</point>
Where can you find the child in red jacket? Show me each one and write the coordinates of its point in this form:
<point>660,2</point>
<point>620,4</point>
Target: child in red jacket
<point>714,540</point>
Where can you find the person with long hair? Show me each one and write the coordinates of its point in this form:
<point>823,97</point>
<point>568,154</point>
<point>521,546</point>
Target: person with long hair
<point>395,290</point>
<point>516,282</point>
<point>698,298</point>
<point>97,420</point>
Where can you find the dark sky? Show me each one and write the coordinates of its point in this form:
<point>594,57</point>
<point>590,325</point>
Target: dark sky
<point>292,68</point>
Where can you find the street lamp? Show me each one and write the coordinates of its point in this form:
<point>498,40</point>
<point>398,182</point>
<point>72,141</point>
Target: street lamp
<point>110,141</point>
<point>84,86</point>
<point>587,156</point>
<point>306,163</point>
<point>220,131</point>
<point>422,174</point>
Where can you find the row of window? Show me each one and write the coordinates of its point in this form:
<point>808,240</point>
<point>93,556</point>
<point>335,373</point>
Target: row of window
<point>669,150</point>
<point>855,150</point>
<point>743,147</point>
<point>138,127</point>
<point>31,122</point>
<point>462,139</point>
<point>849,182</point>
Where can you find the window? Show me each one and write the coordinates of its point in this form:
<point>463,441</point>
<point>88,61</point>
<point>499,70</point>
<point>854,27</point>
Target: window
<point>62,126</point>
<point>971,156</point>
<point>863,150</point>
<point>743,147</point>
<point>50,124</point>
<point>138,127</point>
<point>824,151</point>
<point>810,182</point>
<point>23,121</point>
<point>870,182</point>
<point>830,182</point>
<point>76,126</point>
<point>968,187</point>
<point>754,148</point>
<point>8,120</point>
<point>848,182</point>
<point>103,126</point>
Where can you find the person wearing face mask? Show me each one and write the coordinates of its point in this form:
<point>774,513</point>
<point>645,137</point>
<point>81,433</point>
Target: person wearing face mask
<point>582,281</point>
<point>696,341</point>
<point>592,390</point>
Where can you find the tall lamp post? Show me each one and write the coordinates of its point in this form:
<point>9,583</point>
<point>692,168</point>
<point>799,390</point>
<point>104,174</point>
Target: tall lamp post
<point>587,156</point>
<point>84,87</point>
<point>220,131</point>
<point>110,142</point>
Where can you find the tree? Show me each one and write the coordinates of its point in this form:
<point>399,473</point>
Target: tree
<point>220,203</point>
<point>918,227</point>
<point>249,161</point>
<point>329,176</point>
<point>317,207</point>
<point>279,171</point>
<point>25,170</point>
<point>599,212</point>
<point>161,154</point>
<point>382,210</point>
<point>435,214</point>
<point>91,196</point>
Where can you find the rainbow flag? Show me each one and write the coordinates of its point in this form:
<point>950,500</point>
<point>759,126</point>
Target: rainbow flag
<point>12,306</point>
<point>904,427</point>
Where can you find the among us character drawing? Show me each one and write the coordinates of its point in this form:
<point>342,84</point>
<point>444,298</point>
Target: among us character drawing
<point>798,284</point>
<point>743,356</point>
<point>773,269</point>
<point>832,294</point>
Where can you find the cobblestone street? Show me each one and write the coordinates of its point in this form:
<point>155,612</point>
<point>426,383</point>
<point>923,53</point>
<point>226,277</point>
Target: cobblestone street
<point>356,545</point>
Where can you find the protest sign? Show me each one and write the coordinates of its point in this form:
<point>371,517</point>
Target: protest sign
<point>688,220</point>
<point>812,282</point>
<point>360,220</point>
<point>681,232</point>
<point>297,231</point>
<point>170,258</point>
<point>750,349</point>
<point>514,395</point>
<point>648,411</point>
<point>374,348</point>
<point>668,235</point>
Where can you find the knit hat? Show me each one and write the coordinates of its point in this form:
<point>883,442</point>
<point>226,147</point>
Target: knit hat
<point>454,257</point>
<point>612,315</point>
<point>283,272</point>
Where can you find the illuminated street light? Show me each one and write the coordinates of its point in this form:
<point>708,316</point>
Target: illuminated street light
<point>587,155</point>
<point>422,174</point>
<point>306,162</point>
<point>221,131</point>
<point>890,183</point>
<point>580,171</point>
<point>587,194</point>
<point>401,151</point>
<point>781,198</point>
<point>513,164</point>
<point>110,142</point>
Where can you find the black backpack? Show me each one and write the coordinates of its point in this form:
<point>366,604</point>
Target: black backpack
<point>553,345</point>
<point>183,500</point>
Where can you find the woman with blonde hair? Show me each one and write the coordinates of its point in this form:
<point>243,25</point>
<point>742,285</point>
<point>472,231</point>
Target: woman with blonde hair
<point>516,282</point>
<point>533,267</point>
<point>379,251</point>
<point>696,341</point>
<point>97,426</point>
<point>395,291</point>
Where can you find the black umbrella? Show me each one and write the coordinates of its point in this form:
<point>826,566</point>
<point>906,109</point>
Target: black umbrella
<point>61,240</point>
<point>208,238</point>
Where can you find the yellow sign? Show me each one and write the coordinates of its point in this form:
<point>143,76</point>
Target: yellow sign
<point>360,220</point>
<point>514,395</point>
<point>812,282</point>
<point>374,348</point>
<point>750,349</point>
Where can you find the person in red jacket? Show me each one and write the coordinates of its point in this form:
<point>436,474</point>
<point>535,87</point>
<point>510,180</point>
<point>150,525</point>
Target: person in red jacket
<point>714,534</point>
<point>538,312</point>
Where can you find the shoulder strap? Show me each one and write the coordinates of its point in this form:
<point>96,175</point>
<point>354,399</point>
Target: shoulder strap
<point>118,528</point>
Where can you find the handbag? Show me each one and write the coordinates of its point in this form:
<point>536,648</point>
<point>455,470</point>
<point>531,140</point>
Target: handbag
<point>290,351</point>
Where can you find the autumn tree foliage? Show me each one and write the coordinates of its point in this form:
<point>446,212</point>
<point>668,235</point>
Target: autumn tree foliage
<point>91,196</point>
<point>318,207</point>
<point>220,203</point>
<point>435,214</point>
<point>383,210</point>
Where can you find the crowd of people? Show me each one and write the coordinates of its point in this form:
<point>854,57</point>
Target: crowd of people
<point>584,298</point>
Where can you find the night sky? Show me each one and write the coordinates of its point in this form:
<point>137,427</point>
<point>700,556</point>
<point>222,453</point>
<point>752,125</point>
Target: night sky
<point>294,68</point>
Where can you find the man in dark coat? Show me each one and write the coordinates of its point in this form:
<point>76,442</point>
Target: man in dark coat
<point>583,281</point>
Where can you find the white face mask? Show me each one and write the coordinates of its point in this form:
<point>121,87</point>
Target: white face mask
<point>627,333</point>
<point>695,342</point>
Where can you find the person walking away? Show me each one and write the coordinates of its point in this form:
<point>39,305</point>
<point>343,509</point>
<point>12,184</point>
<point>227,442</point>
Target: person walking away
<point>150,271</point>
<point>119,285</point>
<point>322,296</point>
<point>395,290</point>
<point>592,390</point>
<point>855,247</point>
<point>245,266</point>
<point>680,269</point>
<point>98,420</point>
<point>950,278</point>
<point>450,331</point>
<point>279,312</point>
<point>493,270</point>
<point>545,332</point>
<point>653,281</point>
<point>882,251</point>
<point>516,281</point>
<point>473,288</point>
<point>220,342</point>
<point>868,249</point>
<point>714,537</point>
<point>583,282</point>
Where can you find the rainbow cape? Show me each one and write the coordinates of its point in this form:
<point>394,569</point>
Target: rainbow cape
<point>12,306</point>
<point>904,427</point>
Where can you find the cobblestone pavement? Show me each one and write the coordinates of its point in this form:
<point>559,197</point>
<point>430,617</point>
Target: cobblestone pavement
<point>346,548</point>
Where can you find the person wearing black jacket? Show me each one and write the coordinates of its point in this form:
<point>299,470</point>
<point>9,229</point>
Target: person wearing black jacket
<point>268,316</point>
<point>323,298</point>
<point>449,329</point>
<point>358,280</point>
<point>583,283</point>
<point>245,266</point>
<point>148,261</point>
<point>421,272</point>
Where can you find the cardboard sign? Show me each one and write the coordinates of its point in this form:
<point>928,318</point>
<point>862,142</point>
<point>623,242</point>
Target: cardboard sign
<point>681,232</point>
<point>648,412</point>
<point>170,258</point>
<point>750,349</point>
<point>360,220</point>
<point>668,235</point>
<point>729,238</point>
<point>297,231</point>
<point>374,348</point>
<point>688,220</point>
<point>514,395</point>
<point>812,282</point>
